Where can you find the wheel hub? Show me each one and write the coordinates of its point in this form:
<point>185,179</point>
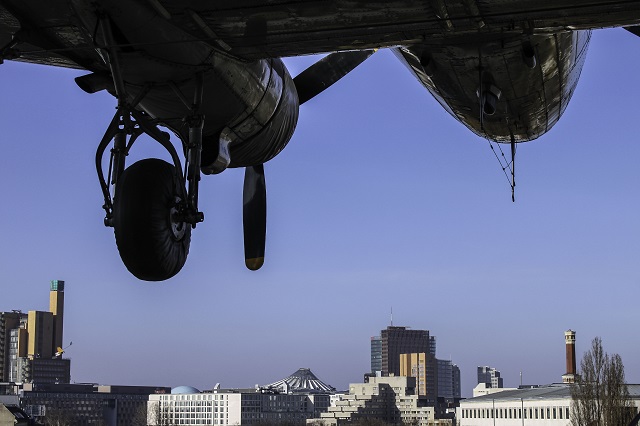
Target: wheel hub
<point>178,226</point>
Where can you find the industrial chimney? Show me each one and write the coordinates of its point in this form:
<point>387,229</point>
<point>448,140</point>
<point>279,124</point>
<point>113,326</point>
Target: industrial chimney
<point>570,343</point>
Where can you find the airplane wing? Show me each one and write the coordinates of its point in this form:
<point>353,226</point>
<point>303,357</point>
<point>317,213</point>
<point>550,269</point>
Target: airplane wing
<point>46,32</point>
<point>253,29</point>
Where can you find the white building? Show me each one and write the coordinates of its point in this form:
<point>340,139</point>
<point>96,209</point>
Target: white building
<point>231,407</point>
<point>538,406</point>
<point>484,389</point>
<point>296,398</point>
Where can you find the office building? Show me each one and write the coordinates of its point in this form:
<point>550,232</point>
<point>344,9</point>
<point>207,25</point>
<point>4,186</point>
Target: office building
<point>299,397</point>
<point>376,355</point>
<point>401,340</point>
<point>489,376</point>
<point>83,404</point>
<point>31,343</point>
<point>448,380</point>
<point>423,367</point>
<point>406,352</point>
<point>9,321</point>
<point>43,370</point>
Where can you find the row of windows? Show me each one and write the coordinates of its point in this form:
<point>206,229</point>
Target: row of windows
<point>516,413</point>
<point>196,397</point>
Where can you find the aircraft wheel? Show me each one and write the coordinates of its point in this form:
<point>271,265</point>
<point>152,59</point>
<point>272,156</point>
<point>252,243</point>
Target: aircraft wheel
<point>152,245</point>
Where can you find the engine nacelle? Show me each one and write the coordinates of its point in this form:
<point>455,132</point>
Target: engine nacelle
<point>252,106</point>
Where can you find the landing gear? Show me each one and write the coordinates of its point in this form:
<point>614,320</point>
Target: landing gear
<point>155,203</point>
<point>151,234</point>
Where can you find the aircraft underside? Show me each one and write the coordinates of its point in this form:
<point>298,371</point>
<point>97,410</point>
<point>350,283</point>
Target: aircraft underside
<point>211,75</point>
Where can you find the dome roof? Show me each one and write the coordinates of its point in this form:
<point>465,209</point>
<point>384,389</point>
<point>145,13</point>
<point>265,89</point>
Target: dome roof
<point>302,380</point>
<point>184,390</point>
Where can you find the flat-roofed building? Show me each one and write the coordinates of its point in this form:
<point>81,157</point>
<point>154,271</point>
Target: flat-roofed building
<point>424,367</point>
<point>86,404</point>
<point>391,399</point>
<point>9,321</point>
<point>294,399</point>
<point>541,406</point>
<point>402,340</point>
<point>31,345</point>
<point>234,406</point>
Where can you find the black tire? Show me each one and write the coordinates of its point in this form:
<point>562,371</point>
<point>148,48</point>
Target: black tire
<point>152,247</point>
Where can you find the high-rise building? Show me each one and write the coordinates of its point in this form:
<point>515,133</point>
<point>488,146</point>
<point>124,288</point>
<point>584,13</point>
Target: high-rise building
<point>490,376</point>
<point>376,354</point>
<point>40,332</point>
<point>448,380</point>
<point>9,321</point>
<point>56,306</point>
<point>457,383</point>
<point>424,367</point>
<point>401,340</point>
<point>29,343</point>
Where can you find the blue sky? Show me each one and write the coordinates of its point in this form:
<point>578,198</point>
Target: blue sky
<point>380,200</point>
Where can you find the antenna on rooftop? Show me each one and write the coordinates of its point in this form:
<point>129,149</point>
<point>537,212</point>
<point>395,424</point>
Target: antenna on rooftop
<point>392,316</point>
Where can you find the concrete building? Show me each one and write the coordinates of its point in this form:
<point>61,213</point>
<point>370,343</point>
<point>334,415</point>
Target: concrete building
<point>490,376</point>
<point>43,370</point>
<point>11,415</point>
<point>532,405</point>
<point>295,399</point>
<point>376,355</point>
<point>484,389</point>
<point>424,368</point>
<point>83,404</point>
<point>401,340</point>
<point>9,321</point>
<point>536,406</point>
<point>31,344</point>
<point>391,399</point>
<point>449,386</point>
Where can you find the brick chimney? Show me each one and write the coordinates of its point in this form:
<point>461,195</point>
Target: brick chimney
<point>570,344</point>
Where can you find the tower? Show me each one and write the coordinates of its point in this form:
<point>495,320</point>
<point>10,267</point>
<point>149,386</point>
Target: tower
<point>29,342</point>
<point>400,340</point>
<point>570,351</point>
<point>56,307</point>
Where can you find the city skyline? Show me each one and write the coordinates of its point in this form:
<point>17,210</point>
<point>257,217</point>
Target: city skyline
<point>379,190</point>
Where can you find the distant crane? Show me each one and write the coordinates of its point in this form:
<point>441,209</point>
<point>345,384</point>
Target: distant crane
<point>60,350</point>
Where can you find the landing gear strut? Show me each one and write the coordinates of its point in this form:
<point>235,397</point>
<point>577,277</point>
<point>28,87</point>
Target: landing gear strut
<point>155,203</point>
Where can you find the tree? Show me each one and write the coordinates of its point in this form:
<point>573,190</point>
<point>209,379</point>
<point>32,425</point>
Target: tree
<point>57,417</point>
<point>600,395</point>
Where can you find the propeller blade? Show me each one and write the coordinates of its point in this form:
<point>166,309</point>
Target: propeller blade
<point>254,212</point>
<point>327,71</point>
<point>634,30</point>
